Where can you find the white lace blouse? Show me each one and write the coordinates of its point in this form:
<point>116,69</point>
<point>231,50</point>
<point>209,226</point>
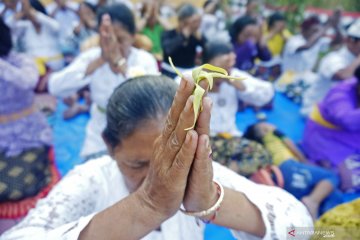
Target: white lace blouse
<point>98,184</point>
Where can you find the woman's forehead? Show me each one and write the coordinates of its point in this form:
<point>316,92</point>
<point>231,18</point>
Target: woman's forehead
<point>139,144</point>
<point>146,132</point>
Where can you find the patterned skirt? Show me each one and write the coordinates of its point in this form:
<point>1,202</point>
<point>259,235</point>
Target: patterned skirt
<point>24,179</point>
<point>239,154</point>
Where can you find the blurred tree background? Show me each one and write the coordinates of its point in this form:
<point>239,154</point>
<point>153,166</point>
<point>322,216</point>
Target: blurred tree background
<point>294,9</point>
<point>348,5</point>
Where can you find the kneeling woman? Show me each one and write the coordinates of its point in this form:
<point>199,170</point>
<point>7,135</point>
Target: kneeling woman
<point>157,178</point>
<point>27,169</point>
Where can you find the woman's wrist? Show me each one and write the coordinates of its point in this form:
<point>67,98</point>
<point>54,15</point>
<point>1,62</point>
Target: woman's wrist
<point>205,203</point>
<point>215,195</point>
<point>149,208</point>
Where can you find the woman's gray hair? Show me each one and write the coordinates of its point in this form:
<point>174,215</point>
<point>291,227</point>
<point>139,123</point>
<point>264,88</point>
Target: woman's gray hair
<point>134,102</point>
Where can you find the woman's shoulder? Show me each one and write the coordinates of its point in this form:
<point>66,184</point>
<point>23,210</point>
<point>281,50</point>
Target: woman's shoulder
<point>102,163</point>
<point>97,174</point>
<point>99,169</point>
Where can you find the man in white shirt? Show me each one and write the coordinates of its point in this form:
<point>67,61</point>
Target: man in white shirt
<point>104,68</point>
<point>335,67</point>
<point>65,13</point>
<point>301,51</point>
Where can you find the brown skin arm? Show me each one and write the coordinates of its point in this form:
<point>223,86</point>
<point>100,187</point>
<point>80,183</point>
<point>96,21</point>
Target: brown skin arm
<point>312,41</point>
<point>118,221</point>
<point>295,150</point>
<point>238,213</point>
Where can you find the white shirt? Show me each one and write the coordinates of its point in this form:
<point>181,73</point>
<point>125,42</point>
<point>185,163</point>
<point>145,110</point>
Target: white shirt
<point>304,60</point>
<point>213,27</point>
<point>98,184</point>
<point>67,19</point>
<point>225,102</point>
<point>9,13</point>
<point>329,66</point>
<point>42,44</point>
<point>102,83</point>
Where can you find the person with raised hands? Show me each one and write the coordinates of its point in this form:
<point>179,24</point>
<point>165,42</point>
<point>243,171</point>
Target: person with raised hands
<point>103,68</point>
<point>157,178</point>
<point>183,43</point>
<point>37,34</point>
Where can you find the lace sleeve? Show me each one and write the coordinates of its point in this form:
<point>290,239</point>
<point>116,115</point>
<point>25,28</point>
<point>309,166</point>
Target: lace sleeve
<point>280,211</point>
<point>64,212</point>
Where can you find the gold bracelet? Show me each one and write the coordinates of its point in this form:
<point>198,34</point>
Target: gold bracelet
<point>212,209</point>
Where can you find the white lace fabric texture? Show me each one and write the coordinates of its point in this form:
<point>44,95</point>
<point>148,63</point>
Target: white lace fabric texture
<point>98,184</point>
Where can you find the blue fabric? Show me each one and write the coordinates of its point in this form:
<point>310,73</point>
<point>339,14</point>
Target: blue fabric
<point>285,115</point>
<point>68,138</point>
<point>300,179</point>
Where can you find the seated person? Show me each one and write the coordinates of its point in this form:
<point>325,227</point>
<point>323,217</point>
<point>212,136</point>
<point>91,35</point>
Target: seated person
<point>335,67</point>
<point>152,25</point>
<point>225,94</point>
<point>65,12</point>
<point>302,51</point>
<point>276,34</point>
<point>214,20</point>
<point>152,184</point>
<point>84,30</point>
<point>248,43</point>
<point>103,68</point>
<point>27,168</point>
<point>227,142</point>
<point>87,26</point>
<point>37,35</point>
<point>253,10</point>
<point>332,132</point>
<point>181,44</point>
<point>313,185</point>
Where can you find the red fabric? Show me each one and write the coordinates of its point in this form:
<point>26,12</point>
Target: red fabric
<point>13,210</point>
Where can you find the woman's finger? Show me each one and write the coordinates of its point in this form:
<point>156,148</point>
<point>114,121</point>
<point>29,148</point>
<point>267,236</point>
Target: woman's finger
<point>200,189</point>
<point>203,121</point>
<point>184,158</point>
<point>177,137</point>
<point>184,91</point>
<point>202,165</point>
<point>205,85</point>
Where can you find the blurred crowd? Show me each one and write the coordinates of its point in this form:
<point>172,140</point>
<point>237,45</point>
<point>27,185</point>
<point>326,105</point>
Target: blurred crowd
<point>78,52</point>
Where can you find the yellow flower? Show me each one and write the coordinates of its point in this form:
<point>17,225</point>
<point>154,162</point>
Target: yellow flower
<point>206,72</point>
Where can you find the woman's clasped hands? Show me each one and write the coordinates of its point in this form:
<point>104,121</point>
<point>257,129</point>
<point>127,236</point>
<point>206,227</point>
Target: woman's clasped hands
<point>181,171</point>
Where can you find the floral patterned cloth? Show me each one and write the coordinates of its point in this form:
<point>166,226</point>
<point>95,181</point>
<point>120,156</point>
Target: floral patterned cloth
<point>18,76</point>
